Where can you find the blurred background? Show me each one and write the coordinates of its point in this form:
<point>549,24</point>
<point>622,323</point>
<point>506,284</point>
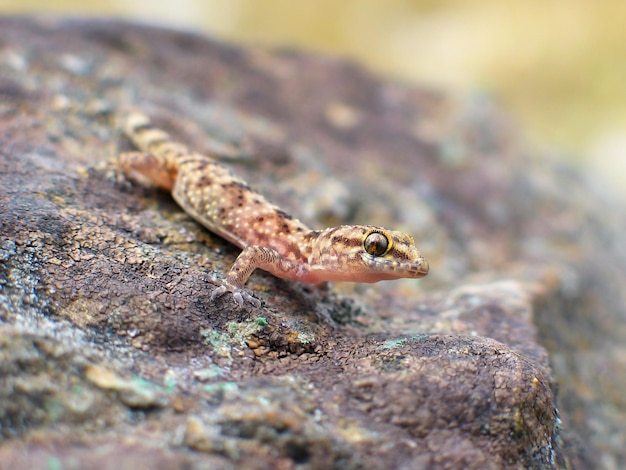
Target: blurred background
<point>558,66</point>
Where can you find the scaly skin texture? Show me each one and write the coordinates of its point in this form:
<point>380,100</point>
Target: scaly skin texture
<point>270,238</point>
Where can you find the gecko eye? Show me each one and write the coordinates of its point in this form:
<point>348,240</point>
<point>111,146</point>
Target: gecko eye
<point>376,244</point>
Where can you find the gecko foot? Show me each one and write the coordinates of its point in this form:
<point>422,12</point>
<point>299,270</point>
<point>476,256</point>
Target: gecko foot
<point>239,295</point>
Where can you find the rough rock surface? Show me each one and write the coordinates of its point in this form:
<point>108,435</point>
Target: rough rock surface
<point>112,356</point>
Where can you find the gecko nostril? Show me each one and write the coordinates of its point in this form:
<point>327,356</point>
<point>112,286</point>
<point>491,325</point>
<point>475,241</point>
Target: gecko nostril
<point>424,267</point>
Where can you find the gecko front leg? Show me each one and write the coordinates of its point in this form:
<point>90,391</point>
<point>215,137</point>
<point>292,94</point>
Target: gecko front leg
<point>251,258</point>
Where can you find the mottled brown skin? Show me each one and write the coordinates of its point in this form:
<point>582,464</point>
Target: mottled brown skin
<point>270,238</point>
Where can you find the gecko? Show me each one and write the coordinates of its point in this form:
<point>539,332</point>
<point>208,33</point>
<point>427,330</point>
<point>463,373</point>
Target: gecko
<point>270,238</point>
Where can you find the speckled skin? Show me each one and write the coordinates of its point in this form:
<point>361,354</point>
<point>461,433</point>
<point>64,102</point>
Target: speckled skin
<point>271,239</point>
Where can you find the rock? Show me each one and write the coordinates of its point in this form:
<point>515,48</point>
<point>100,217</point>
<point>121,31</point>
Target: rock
<point>507,355</point>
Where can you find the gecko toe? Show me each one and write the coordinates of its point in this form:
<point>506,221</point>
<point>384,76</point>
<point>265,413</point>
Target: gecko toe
<point>218,292</point>
<point>239,295</point>
<point>238,298</point>
<point>254,301</point>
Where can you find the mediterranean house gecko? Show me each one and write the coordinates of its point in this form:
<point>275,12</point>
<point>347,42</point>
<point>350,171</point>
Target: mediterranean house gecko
<point>270,238</point>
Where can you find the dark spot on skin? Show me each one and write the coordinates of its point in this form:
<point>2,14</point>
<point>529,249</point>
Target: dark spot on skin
<point>236,184</point>
<point>299,229</point>
<point>260,218</point>
<point>202,165</point>
<point>286,229</point>
<point>295,251</point>
<point>221,210</point>
<point>204,181</point>
<point>256,201</point>
<point>240,196</point>
<point>240,204</point>
<point>283,214</point>
<point>311,235</point>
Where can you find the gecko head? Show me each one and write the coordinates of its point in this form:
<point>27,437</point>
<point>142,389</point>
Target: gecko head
<point>366,253</point>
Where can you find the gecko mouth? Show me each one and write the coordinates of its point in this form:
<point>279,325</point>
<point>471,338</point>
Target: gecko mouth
<point>421,269</point>
<point>397,269</point>
<point>417,268</point>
